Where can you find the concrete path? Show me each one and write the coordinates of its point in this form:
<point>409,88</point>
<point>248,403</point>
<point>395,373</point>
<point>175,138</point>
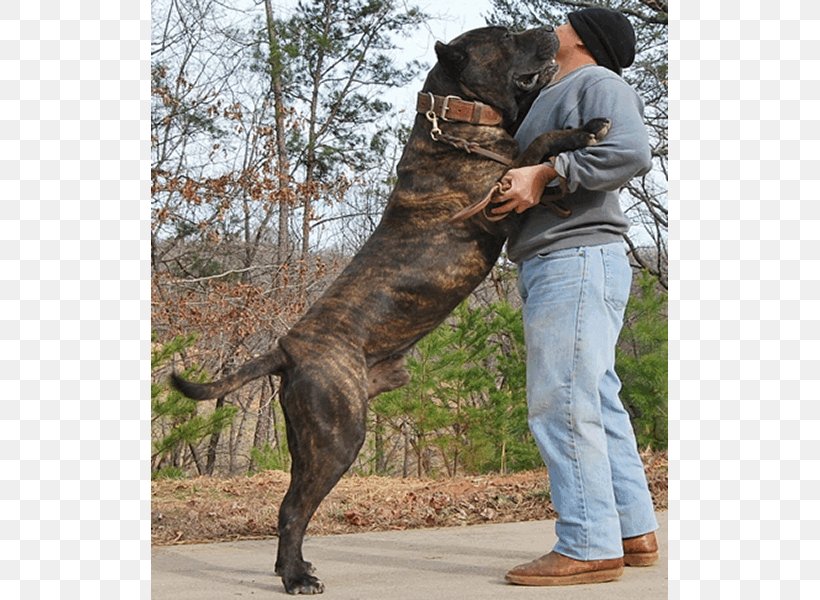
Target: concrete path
<point>457,563</point>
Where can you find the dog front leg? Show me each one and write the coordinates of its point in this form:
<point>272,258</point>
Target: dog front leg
<point>551,143</point>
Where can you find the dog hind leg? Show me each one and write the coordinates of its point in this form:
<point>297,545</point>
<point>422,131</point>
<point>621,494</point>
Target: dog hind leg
<point>325,421</point>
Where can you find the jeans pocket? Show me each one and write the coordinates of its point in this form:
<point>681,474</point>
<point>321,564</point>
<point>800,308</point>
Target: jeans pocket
<point>617,277</point>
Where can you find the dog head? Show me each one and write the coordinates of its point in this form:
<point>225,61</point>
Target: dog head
<point>497,67</point>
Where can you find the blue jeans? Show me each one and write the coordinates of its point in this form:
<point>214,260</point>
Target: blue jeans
<point>574,303</point>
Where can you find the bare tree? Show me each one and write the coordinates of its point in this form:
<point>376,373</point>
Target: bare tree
<point>261,119</point>
<point>339,63</point>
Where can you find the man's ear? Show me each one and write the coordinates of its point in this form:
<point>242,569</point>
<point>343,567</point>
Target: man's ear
<point>452,58</point>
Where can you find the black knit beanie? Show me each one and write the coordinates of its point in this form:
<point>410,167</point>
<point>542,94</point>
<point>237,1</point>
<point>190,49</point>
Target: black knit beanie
<point>607,34</point>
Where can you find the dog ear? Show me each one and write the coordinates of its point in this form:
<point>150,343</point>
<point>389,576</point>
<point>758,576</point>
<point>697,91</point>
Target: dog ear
<point>452,58</point>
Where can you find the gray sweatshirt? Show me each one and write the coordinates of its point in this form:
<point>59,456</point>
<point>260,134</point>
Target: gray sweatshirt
<point>593,175</point>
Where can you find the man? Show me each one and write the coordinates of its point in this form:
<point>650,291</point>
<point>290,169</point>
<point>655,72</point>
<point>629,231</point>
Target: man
<point>574,279</point>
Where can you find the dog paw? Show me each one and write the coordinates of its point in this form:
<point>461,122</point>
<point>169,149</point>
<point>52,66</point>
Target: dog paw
<point>305,567</point>
<point>303,584</point>
<point>597,129</point>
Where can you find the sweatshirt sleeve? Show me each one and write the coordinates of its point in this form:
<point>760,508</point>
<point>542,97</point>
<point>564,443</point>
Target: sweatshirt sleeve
<point>623,154</point>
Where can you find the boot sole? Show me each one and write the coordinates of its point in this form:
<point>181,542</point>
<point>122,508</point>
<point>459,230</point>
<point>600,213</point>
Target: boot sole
<point>640,559</point>
<point>577,578</point>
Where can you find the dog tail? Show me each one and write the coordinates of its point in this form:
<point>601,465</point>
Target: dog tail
<point>271,363</point>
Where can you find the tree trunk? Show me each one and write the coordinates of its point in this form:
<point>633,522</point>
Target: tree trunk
<point>261,432</point>
<point>274,424</point>
<point>213,442</point>
<point>282,174</point>
<point>197,461</point>
<point>378,446</point>
<point>405,470</point>
<point>312,142</point>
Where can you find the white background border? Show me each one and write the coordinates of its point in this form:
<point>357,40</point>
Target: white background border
<point>744,300</point>
<point>74,300</point>
<point>744,487</point>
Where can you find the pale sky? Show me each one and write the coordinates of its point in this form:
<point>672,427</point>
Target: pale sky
<point>450,20</point>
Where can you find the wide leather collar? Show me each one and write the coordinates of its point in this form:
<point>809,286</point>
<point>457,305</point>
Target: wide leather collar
<point>453,108</point>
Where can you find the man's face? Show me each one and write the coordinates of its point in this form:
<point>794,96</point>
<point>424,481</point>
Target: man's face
<point>567,40</point>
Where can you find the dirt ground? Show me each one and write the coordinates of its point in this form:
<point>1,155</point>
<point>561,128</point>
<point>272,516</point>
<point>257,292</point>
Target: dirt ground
<point>209,509</point>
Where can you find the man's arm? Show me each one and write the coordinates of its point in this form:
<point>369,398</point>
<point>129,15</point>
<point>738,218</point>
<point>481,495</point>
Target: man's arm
<point>623,153</point>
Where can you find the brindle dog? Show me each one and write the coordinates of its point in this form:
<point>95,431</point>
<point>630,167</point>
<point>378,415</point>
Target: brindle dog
<point>412,272</point>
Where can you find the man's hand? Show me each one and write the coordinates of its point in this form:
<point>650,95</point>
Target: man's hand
<point>521,188</point>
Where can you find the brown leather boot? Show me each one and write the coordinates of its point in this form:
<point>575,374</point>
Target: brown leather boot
<point>557,569</point>
<point>641,551</point>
